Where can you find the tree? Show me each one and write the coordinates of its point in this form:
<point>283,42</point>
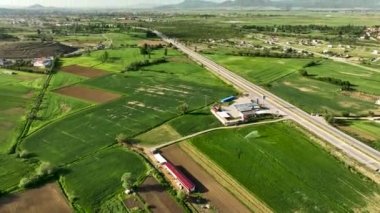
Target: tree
<point>104,57</point>
<point>45,168</point>
<point>303,72</point>
<point>121,138</point>
<point>166,52</point>
<point>183,108</point>
<point>127,180</point>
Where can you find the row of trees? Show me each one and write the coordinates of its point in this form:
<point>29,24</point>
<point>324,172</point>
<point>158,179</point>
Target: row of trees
<point>345,85</point>
<point>271,54</point>
<point>306,29</point>
<point>42,173</point>
<point>135,66</point>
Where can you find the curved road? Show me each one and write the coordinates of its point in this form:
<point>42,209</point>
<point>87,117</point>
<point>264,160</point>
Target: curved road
<point>352,147</point>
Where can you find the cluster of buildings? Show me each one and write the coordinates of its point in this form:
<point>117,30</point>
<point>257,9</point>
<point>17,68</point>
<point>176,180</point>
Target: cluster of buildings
<point>236,110</point>
<point>182,181</point>
<point>42,63</point>
<point>371,33</point>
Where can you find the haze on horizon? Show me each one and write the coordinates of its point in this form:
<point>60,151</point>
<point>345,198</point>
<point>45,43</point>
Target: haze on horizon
<point>87,3</point>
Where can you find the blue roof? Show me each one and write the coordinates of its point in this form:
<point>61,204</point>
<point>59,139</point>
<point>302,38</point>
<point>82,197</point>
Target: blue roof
<point>228,99</point>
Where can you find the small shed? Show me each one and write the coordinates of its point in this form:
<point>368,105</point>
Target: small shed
<point>159,158</point>
<point>228,99</point>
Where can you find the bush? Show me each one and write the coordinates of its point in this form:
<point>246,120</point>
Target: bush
<point>303,72</point>
<point>135,66</point>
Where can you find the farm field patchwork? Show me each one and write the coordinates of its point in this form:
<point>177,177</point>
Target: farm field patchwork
<point>95,179</point>
<point>62,79</point>
<point>367,131</point>
<point>284,168</point>
<point>281,77</point>
<point>18,90</point>
<point>151,97</point>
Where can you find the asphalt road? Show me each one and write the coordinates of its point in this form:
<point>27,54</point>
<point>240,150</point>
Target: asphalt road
<point>352,147</point>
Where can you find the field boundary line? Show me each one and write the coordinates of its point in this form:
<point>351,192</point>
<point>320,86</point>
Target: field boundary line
<point>211,130</point>
<point>223,178</point>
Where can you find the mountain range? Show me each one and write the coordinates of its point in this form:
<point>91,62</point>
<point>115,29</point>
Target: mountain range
<point>197,4</point>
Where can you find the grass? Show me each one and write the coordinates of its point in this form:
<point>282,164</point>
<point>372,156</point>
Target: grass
<point>17,92</point>
<point>118,58</point>
<point>62,79</point>
<point>56,106</point>
<point>95,179</point>
<point>285,169</point>
<point>12,170</point>
<point>366,131</point>
<point>260,70</point>
<point>151,97</point>
<point>364,80</point>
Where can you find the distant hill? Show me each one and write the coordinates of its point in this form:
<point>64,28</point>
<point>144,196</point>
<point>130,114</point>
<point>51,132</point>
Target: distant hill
<point>36,6</point>
<point>190,4</point>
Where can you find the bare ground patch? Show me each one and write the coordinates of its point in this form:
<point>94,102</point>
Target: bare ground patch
<point>84,71</point>
<point>88,94</point>
<point>158,199</point>
<point>46,199</point>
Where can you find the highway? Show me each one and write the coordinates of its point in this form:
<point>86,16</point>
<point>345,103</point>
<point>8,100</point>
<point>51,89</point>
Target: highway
<point>350,146</point>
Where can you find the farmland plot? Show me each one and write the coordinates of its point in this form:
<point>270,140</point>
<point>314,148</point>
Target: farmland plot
<point>151,97</point>
<point>282,167</point>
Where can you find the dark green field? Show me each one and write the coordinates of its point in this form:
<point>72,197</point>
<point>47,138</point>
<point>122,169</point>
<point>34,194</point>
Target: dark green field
<point>285,169</point>
<point>96,179</point>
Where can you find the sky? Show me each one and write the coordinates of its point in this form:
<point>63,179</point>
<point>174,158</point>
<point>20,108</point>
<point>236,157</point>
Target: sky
<point>86,3</point>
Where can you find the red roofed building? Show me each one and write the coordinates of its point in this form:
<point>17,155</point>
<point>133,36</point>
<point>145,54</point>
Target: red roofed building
<point>182,179</point>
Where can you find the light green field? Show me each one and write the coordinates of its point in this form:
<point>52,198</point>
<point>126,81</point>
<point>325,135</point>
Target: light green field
<point>16,95</point>
<point>316,96</point>
<point>56,106</point>
<point>367,131</point>
<point>364,80</point>
<point>283,168</point>
<point>118,59</point>
<point>62,79</point>
<point>281,77</point>
<point>95,179</point>
<point>260,70</point>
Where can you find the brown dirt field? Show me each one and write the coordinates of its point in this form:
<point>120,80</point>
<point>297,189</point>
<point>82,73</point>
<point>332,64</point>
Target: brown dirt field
<point>158,199</point>
<point>45,199</point>
<point>84,71</point>
<point>88,94</point>
<point>218,196</point>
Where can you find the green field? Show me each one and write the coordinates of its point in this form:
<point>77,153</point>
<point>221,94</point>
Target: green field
<point>62,79</point>
<point>118,58</point>
<point>151,97</point>
<point>16,95</point>
<point>364,80</point>
<point>95,179</point>
<point>281,77</point>
<point>366,131</point>
<point>12,170</point>
<point>56,106</point>
<point>282,167</point>
<point>260,70</point>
